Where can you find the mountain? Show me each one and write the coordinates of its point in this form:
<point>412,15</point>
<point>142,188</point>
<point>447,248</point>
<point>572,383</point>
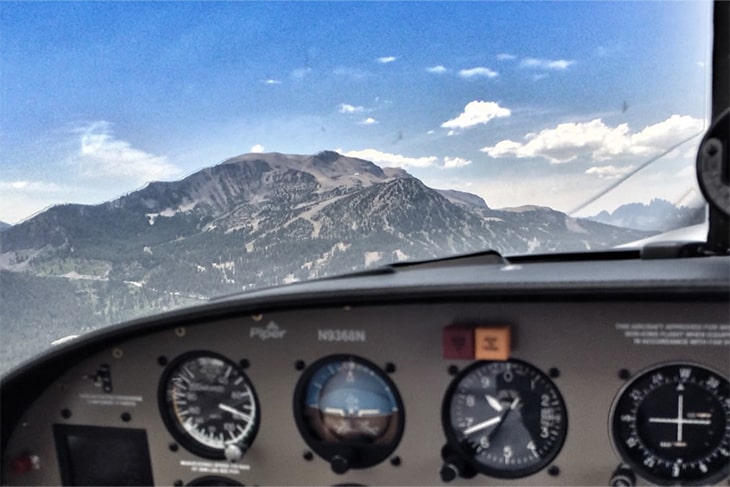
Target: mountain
<point>466,200</point>
<point>4,226</point>
<point>659,215</point>
<point>254,220</point>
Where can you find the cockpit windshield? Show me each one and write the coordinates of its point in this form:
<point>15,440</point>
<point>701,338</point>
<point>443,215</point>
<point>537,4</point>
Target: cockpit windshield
<point>159,154</point>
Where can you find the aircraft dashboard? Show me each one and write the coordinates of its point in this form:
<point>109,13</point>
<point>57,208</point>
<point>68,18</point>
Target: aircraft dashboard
<point>511,374</point>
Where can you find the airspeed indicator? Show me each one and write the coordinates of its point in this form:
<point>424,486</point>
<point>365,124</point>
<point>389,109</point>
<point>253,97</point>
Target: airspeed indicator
<point>209,405</point>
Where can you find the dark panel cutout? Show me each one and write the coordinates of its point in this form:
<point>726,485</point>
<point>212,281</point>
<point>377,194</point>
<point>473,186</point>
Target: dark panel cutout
<point>92,455</point>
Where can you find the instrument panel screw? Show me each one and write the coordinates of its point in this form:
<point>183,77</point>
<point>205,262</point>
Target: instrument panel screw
<point>299,365</point>
<point>453,370</point>
<point>624,374</point>
<point>162,360</point>
<point>126,417</point>
<point>553,471</point>
<point>554,372</point>
<point>244,363</point>
<point>65,413</point>
<point>180,331</point>
<point>308,456</point>
<point>395,461</point>
<point>117,353</point>
<point>389,367</point>
<point>178,483</point>
<point>173,447</point>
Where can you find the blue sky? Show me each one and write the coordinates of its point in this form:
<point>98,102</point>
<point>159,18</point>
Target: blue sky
<point>522,103</point>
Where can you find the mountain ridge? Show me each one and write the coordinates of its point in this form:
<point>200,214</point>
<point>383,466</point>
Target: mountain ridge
<point>252,221</point>
<point>210,192</point>
<point>255,195</point>
<point>659,215</point>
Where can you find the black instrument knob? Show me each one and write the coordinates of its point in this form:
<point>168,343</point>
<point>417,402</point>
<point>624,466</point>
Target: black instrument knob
<point>622,477</point>
<point>339,464</point>
<point>448,472</point>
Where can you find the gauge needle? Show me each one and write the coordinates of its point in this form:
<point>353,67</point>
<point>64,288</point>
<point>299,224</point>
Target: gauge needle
<point>482,425</point>
<point>494,402</point>
<point>496,420</point>
<point>229,409</point>
<point>503,417</point>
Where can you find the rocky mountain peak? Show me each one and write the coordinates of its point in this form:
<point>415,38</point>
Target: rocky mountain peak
<point>462,198</point>
<point>396,172</point>
<point>267,199</point>
<point>252,221</point>
<point>326,156</point>
<point>658,214</point>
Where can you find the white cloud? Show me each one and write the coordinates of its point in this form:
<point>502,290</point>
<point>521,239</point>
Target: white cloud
<point>565,142</point>
<point>609,172</point>
<point>386,159</point>
<point>478,72</point>
<point>300,73</point>
<point>22,199</point>
<point>476,113</point>
<point>31,186</point>
<point>347,108</point>
<point>369,121</point>
<point>549,64</point>
<point>103,155</point>
<point>271,81</point>
<point>351,73</point>
<point>386,59</point>
<point>506,57</point>
<point>455,162</point>
<point>257,149</point>
<point>596,141</point>
<point>437,69</point>
<point>667,133</point>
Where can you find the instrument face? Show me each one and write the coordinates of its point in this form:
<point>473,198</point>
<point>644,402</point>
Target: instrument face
<point>671,424</point>
<point>507,419</point>
<point>347,407</point>
<point>209,404</point>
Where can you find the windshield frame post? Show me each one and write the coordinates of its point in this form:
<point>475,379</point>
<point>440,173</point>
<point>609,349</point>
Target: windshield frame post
<point>718,234</point>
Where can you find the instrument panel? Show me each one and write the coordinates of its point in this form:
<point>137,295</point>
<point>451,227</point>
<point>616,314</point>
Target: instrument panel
<point>464,393</point>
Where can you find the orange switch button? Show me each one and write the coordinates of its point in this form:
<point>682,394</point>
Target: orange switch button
<point>492,343</point>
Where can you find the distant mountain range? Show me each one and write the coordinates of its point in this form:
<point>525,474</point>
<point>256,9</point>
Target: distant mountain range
<point>254,220</point>
<point>659,215</point>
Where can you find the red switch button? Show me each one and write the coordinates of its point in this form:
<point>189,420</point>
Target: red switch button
<point>24,464</point>
<point>458,342</point>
